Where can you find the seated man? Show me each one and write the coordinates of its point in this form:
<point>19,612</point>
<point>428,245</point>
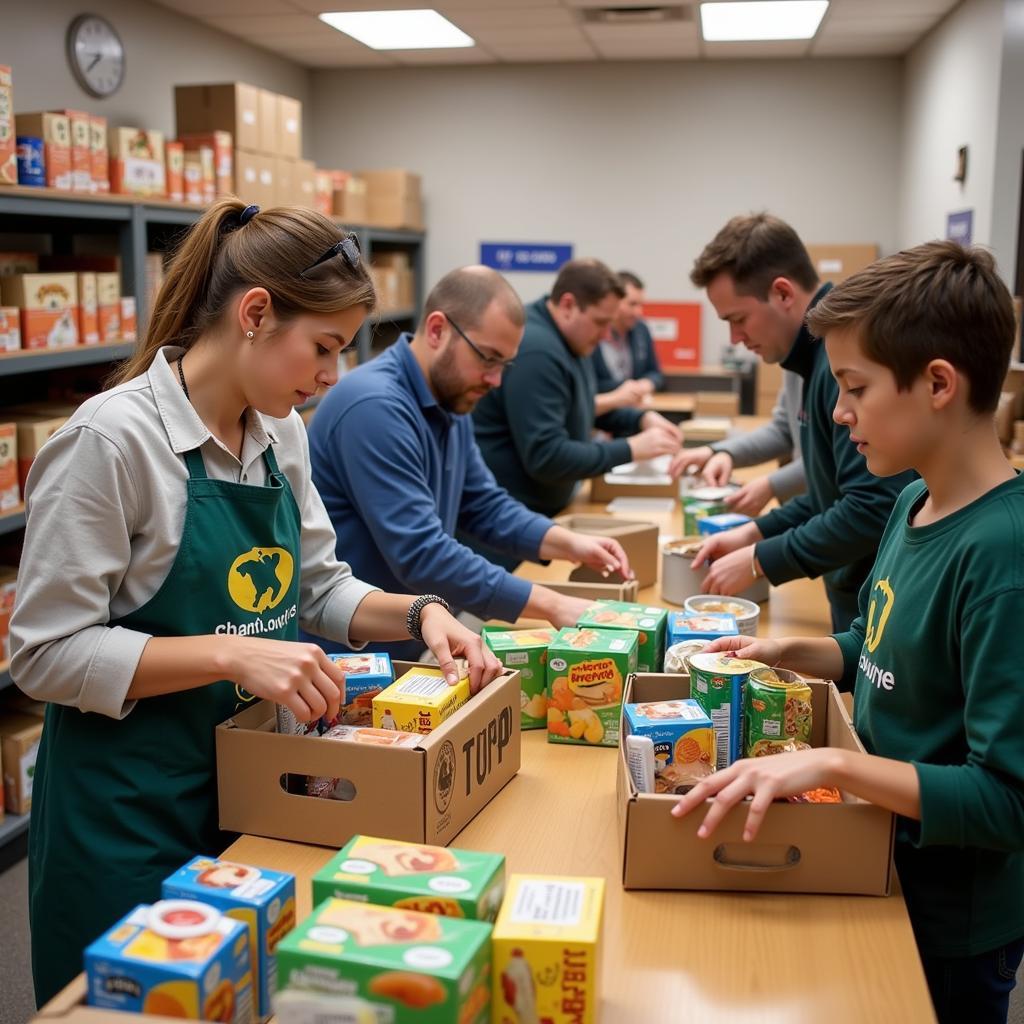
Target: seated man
<point>535,430</point>
<point>625,362</point>
<point>396,464</point>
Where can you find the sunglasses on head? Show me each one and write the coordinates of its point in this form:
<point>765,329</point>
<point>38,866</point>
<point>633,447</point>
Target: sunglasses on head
<point>347,249</point>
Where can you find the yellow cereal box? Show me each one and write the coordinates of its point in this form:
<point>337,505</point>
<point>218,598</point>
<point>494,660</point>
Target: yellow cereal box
<point>546,951</point>
<point>419,701</point>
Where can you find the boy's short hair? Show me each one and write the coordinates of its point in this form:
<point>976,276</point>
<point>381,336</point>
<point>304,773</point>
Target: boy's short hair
<point>587,281</point>
<point>935,301</point>
<point>754,250</point>
<point>627,277</point>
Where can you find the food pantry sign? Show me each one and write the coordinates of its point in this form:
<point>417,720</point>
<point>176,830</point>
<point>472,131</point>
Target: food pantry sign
<point>524,256</point>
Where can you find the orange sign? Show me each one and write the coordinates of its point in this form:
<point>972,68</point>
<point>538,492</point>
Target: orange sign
<point>675,327</point>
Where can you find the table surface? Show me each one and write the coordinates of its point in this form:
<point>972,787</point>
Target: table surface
<point>684,956</point>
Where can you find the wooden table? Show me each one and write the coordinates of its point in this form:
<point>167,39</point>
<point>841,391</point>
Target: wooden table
<point>684,957</point>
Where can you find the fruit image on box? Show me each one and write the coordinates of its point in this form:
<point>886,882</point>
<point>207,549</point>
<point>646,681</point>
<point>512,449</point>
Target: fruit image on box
<point>686,626</point>
<point>527,651</point>
<point>177,958</point>
<point>419,701</point>
<point>683,738</point>
<point>586,672</point>
<point>777,712</point>
<point>263,900</point>
<point>547,948</point>
<point>366,675</point>
<point>648,622</point>
<point>717,683</point>
<point>415,968</point>
<point>411,876</point>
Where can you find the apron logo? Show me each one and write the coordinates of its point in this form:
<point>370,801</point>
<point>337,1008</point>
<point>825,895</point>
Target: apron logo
<point>260,578</point>
<point>875,631</point>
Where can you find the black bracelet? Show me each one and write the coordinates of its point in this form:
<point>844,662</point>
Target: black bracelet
<point>412,619</point>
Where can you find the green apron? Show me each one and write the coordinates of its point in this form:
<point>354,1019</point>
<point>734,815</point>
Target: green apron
<point>119,805</point>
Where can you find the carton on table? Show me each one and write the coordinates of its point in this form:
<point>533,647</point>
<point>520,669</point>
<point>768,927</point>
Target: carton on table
<point>816,848</point>
<point>412,876</point>
<point>424,794</point>
<point>639,540</point>
<point>649,622</point>
<point>419,701</point>
<point>366,675</point>
<point>687,626</point>
<point>526,651</point>
<point>414,968</point>
<point>648,479</point>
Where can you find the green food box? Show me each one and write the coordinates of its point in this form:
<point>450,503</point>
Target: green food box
<point>414,968</point>
<point>587,670</point>
<point>412,876</point>
<point>527,651</point>
<point>650,623</point>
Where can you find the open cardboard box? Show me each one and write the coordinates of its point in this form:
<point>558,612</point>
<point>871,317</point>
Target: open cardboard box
<point>647,479</point>
<point>69,1006</point>
<point>639,540</point>
<point>812,848</point>
<point>424,795</point>
<point>626,591</point>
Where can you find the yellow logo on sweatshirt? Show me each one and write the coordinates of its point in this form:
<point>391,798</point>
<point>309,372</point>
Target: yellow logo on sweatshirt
<point>875,630</point>
<point>260,577</point>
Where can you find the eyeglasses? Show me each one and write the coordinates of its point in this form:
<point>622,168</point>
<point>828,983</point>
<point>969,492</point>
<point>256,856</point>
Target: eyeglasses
<point>347,248</point>
<point>491,362</point>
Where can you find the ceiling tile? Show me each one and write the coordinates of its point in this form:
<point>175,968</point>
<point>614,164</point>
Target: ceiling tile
<point>756,51</point>
<point>227,8</point>
<point>539,53</point>
<point>451,55</point>
<point>253,24</point>
<point>529,37</point>
<point>863,46</point>
<point>320,58</point>
<point>469,19</point>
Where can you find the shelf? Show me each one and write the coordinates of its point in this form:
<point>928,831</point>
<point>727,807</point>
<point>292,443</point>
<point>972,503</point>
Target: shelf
<point>103,206</point>
<point>12,826</point>
<point>390,315</point>
<point>36,360</point>
<point>399,236</point>
<point>13,520</point>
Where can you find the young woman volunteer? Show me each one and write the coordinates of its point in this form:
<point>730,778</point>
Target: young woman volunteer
<point>174,545</point>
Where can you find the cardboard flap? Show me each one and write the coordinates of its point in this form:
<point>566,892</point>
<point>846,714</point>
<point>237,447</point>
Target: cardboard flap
<point>624,591</point>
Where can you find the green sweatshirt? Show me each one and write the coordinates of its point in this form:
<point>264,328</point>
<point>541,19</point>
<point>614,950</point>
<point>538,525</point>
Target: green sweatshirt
<point>534,431</point>
<point>937,660</point>
<point>833,529</point>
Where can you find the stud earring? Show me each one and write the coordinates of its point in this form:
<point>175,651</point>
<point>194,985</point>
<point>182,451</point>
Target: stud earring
<point>250,335</point>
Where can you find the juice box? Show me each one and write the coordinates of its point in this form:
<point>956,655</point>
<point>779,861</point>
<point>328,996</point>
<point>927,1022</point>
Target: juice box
<point>366,675</point>
<point>414,968</point>
<point>411,876</point>
<point>49,308</point>
<point>586,671</point>
<point>88,310</point>
<point>223,157</point>
<point>10,329</point>
<point>10,493</point>
<point>55,131</point>
<point>527,651</point>
<point>648,622</point>
<point>8,138</point>
<point>721,522</point>
<point>717,683</point>
<point>683,738</point>
<point>263,900</point>
<point>177,958</point>
<point>81,157</point>
<point>99,162</point>
<point>547,946</point>
<point>204,156</point>
<point>777,712</point>
<point>687,626</point>
<point>174,153</point>
<point>419,701</point>
<point>192,177</point>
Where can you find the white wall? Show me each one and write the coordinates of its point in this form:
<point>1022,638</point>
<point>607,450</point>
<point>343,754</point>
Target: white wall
<point>162,49</point>
<point>1006,189</point>
<point>638,164</point>
<point>951,95</point>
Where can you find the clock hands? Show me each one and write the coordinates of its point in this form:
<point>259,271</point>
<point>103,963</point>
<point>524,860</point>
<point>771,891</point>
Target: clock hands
<point>95,60</point>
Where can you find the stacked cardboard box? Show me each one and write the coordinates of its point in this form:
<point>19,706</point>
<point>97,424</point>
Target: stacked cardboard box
<point>393,199</point>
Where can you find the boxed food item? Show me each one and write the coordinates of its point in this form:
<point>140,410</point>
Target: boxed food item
<point>800,847</point>
<point>720,523</point>
<point>263,900</point>
<point>223,157</point>
<point>413,876</point>
<point>366,675</point>
<point>323,190</point>
<point>648,479</point>
<point>719,683</point>
<point>8,136</point>
<point>547,951</point>
<point>422,794</point>
<point>778,714</point>
<point>10,493</point>
<point>297,1006</point>
<point>18,263</point>
<point>649,623</point>
<point>55,131</point>
<point>137,163</point>
<point>254,178</point>
<point>336,787</point>
<point>108,308</point>
<point>204,157</point>
<point>99,161</point>
<point>639,540</point>
<point>88,310</point>
<point>586,671</point>
<point>393,199</point>
<point>34,430</point>
<point>192,178</point>
<point>19,745</point>
<point>305,184</point>
<point>8,591</point>
<point>49,308</point>
<point>230,107</point>
<point>704,501</point>
<point>10,328</point>
<point>682,740</point>
<point>175,154</point>
<point>177,958</point>
<point>289,127</point>
<point>350,202</point>
<point>414,968</point>
<point>525,650</point>
<point>81,151</point>
<point>419,701</point>
<point>31,161</point>
<point>687,626</point>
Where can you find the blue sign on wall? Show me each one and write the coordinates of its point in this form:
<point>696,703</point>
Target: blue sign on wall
<point>960,226</point>
<point>524,256</point>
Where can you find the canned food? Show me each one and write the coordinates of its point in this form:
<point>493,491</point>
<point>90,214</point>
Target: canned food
<point>777,711</point>
<point>717,683</point>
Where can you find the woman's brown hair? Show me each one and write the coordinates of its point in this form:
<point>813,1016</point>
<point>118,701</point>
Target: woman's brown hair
<point>221,256</point>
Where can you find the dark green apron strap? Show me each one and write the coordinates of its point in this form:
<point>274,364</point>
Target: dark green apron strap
<point>271,459</point>
<point>196,466</point>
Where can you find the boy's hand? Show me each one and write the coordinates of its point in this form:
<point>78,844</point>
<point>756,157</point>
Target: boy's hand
<point>732,573</point>
<point>763,778</point>
<point>751,497</point>
<point>768,652</point>
<point>717,471</point>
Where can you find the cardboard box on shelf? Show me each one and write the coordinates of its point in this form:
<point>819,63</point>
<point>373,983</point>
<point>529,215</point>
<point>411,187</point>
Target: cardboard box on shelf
<point>88,310</point>
<point>204,157</point>
<point>55,131</point>
<point>19,263</point>
<point>8,138</point>
<point>305,184</point>
<point>424,794</point>
<point>393,199</point>
<point>49,308</point>
<point>406,288</point>
<point>254,178</point>
<point>639,540</point>
<point>137,163</point>
<point>99,159</point>
<point>81,149</point>
<point>174,153</point>
<point>19,745</point>
<point>221,142</point>
<point>230,107</point>
<point>816,848</point>
<point>108,306</point>
<point>350,202</point>
<point>836,263</point>
<point>289,128</point>
<point>10,493</point>
<point>34,430</point>
<point>285,182</point>
<point>386,284</point>
<point>10,329</point>
<point>269,144</point>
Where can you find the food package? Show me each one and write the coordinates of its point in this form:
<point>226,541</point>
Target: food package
<point>683,739</point>
<point>525,650</point>
<point>420,700</point>
<point>649,623</point>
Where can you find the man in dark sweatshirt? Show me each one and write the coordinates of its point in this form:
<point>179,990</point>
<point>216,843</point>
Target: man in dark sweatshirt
<point>535,430</point>
<point>762,282</point>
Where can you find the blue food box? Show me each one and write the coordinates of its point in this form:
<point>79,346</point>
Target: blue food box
<point>720,523</point>
<point>695,626</point>
<point>263,900</point>
<point>176,958</point>
<point>683,738</point>
<point>366,675</point>
<point>31,167</point>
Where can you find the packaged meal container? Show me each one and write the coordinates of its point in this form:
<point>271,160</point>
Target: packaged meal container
<point>687,626</point>
<point>419,701</point>
<point>717,683</point>
<point>777,711</point>
<point>527,651</point>
<point>683,739</point>
<point>648,622</point>
<point>366,675</point>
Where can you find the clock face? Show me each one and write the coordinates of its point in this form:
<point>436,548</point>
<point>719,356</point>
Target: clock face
<point>96,55</point>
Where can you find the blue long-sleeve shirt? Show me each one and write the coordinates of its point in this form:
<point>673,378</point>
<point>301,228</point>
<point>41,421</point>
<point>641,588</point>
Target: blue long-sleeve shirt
<point>398,475</point>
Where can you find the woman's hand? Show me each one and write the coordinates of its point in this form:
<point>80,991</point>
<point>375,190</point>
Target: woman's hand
<point>448,639</point>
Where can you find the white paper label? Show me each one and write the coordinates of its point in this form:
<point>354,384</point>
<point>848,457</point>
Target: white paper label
<point>423,685</point>
<point>558,903</point>
<point>248,117</point>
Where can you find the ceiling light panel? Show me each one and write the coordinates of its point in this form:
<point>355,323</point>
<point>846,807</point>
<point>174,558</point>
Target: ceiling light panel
<point>761,20</point>
<point>399,30</point>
